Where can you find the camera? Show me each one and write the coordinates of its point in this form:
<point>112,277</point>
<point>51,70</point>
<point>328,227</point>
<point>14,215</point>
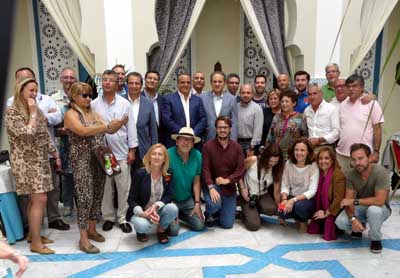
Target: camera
<point>253,201</point>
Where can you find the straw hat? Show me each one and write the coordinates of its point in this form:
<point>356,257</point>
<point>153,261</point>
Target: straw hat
<point>186,132</point>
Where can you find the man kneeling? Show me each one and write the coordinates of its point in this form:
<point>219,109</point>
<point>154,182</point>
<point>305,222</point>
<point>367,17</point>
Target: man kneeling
<point>366,199</point>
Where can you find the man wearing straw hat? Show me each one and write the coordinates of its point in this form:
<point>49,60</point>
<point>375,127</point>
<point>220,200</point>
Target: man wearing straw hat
<point>185,167</point>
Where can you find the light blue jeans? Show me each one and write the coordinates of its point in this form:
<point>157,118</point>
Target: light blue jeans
<point>167,213</point>
<point>185,214</point>
<point>373,215</point>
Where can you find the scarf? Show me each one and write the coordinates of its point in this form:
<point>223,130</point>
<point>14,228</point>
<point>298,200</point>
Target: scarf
<point>322,203</point>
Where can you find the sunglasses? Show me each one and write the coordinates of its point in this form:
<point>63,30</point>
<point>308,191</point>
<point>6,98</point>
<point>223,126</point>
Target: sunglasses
<point>86,95</point>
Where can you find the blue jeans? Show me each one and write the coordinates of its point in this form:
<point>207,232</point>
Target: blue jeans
<point>185,215</point>
<point>167,213</point>
<point>302,210</point>
<point>373,215</point>
<point>68,186</point>
<point>225,207</point>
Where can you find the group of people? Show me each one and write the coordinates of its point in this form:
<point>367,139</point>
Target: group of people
<point>306,153</point>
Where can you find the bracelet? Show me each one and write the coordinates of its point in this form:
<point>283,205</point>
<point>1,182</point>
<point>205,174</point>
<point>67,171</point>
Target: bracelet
<point>294,199</point>
<point>197,202</point>
<point>211,187</point>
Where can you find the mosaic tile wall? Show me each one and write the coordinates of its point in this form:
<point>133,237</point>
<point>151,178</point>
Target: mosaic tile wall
<point>366,68</point>
<point>55,53</point>
<point>183,66</point>
<point>255,61</point>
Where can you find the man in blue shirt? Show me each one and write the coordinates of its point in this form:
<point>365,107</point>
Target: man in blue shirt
<point>301,80</point>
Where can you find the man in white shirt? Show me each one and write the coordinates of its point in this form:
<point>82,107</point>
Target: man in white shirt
<point>123,143</point>
<point>322,119</point>
<point>198,83</point>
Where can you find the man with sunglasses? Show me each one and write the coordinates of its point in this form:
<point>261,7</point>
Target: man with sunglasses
<point>123,143</point>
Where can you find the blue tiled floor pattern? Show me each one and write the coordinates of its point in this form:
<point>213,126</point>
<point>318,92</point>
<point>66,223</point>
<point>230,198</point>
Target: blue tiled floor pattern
<point>259,260</point>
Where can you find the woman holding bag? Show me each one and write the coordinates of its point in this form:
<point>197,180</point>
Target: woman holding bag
<point>85,131</point>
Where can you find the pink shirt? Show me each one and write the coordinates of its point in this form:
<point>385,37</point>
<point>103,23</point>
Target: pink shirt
<point>353,117</point>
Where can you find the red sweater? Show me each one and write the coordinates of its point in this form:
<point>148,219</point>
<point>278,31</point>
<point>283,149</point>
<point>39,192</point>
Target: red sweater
<point>220,162</point>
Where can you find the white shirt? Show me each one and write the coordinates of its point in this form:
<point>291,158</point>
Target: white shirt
<point>185,104</point>
<point>217,103</point>
<point>324,122</point>
<point>126,137</point>
<point>135,105</point>
<point>155,105</point>
<point>336,103</point>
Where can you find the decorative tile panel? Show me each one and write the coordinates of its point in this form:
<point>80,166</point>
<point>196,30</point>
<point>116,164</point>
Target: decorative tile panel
<point>254,59</point>
<point>55,53</point>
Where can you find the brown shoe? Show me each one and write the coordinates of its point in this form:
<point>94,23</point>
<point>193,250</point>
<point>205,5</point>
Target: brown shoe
<point>91,249</point>
<point>303,226</point>
<point>162,237</point>
<point>45,240</point>
<point>44,250</point>
<point>96,237</point>
<point>142,237</point>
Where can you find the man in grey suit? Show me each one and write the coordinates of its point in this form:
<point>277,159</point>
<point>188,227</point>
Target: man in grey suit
<point>144,115</point>
<point>219,103</point>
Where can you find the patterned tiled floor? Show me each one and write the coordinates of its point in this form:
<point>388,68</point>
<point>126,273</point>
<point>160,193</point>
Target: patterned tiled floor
<point>273,251</point>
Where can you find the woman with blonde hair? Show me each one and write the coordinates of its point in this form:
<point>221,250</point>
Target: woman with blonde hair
<point>30,145</point>
<point>86,130</point>
<point>150,196</point>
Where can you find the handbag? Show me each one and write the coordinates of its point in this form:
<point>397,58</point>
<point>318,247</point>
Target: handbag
<point>107,161</point>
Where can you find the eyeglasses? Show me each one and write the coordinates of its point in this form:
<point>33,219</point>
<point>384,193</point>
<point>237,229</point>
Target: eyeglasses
<point>86,96</point>
<point>108,80</point>
<point>68,78</point>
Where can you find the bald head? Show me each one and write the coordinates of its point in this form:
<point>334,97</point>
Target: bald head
<point>246,93</point>
<point>283,81</point>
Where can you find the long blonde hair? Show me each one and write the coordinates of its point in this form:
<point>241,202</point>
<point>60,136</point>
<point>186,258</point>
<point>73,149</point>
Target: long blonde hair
<point>18,103</point>
<point>77,89</point>
<point>147,158</point>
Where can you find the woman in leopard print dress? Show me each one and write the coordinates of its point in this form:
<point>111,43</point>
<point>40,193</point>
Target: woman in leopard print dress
<point>30,145</point>
<point>86,130</point>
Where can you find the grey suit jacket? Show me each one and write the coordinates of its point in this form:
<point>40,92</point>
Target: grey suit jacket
<point>228,108</point>
<point>146,126</point>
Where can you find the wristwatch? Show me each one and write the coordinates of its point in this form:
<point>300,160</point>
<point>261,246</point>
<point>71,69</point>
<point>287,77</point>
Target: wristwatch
<point>353,218</point>
<point>356,202</point>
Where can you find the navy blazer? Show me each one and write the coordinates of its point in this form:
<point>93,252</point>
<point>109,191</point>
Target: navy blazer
<point>161,129</point>
<point>146,126</point>
<point>228,108</point>
<point>139,193</point>
<point>174,116</point>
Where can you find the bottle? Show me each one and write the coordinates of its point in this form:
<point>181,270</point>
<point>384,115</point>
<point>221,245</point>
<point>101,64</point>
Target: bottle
<point>107,164</point>
<point>114,163</point>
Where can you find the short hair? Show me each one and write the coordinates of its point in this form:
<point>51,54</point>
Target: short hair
<point>355,78</point>
<point>331,154</point>
<point>233,75</point>
<point>147,156</point>
<point>310,150</point>
<point>118,66</point>
<point>360,146</point>
<point>68,68</point>
<point>266,154</point>
<point>225,119</point>
<point>260,75</point>
<point>332,65</point>
<point>273,92</point>
<point>25,68</point>
<point>311,85</point>
<point>181,74</point>
<point>290,94</point>
<point>136,74</point>
<point>152,71</point>
<point>302,72</point>
<point>110,72</point>
<point>217,72</point>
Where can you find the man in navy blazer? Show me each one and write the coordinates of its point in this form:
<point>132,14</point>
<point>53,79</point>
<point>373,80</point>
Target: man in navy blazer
<point>145,118</point>
<point>219,103</point>
<point>151,82</point>
<point>182,109</point>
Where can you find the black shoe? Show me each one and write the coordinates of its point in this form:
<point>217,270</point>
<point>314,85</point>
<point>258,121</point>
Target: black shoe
<point>108,225</point>
<point>59,225</point>
<point>210,221</point>
<point>376,246</point>
<point>356,235</point>
<point>142,237</point>
<point>126,228</point>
